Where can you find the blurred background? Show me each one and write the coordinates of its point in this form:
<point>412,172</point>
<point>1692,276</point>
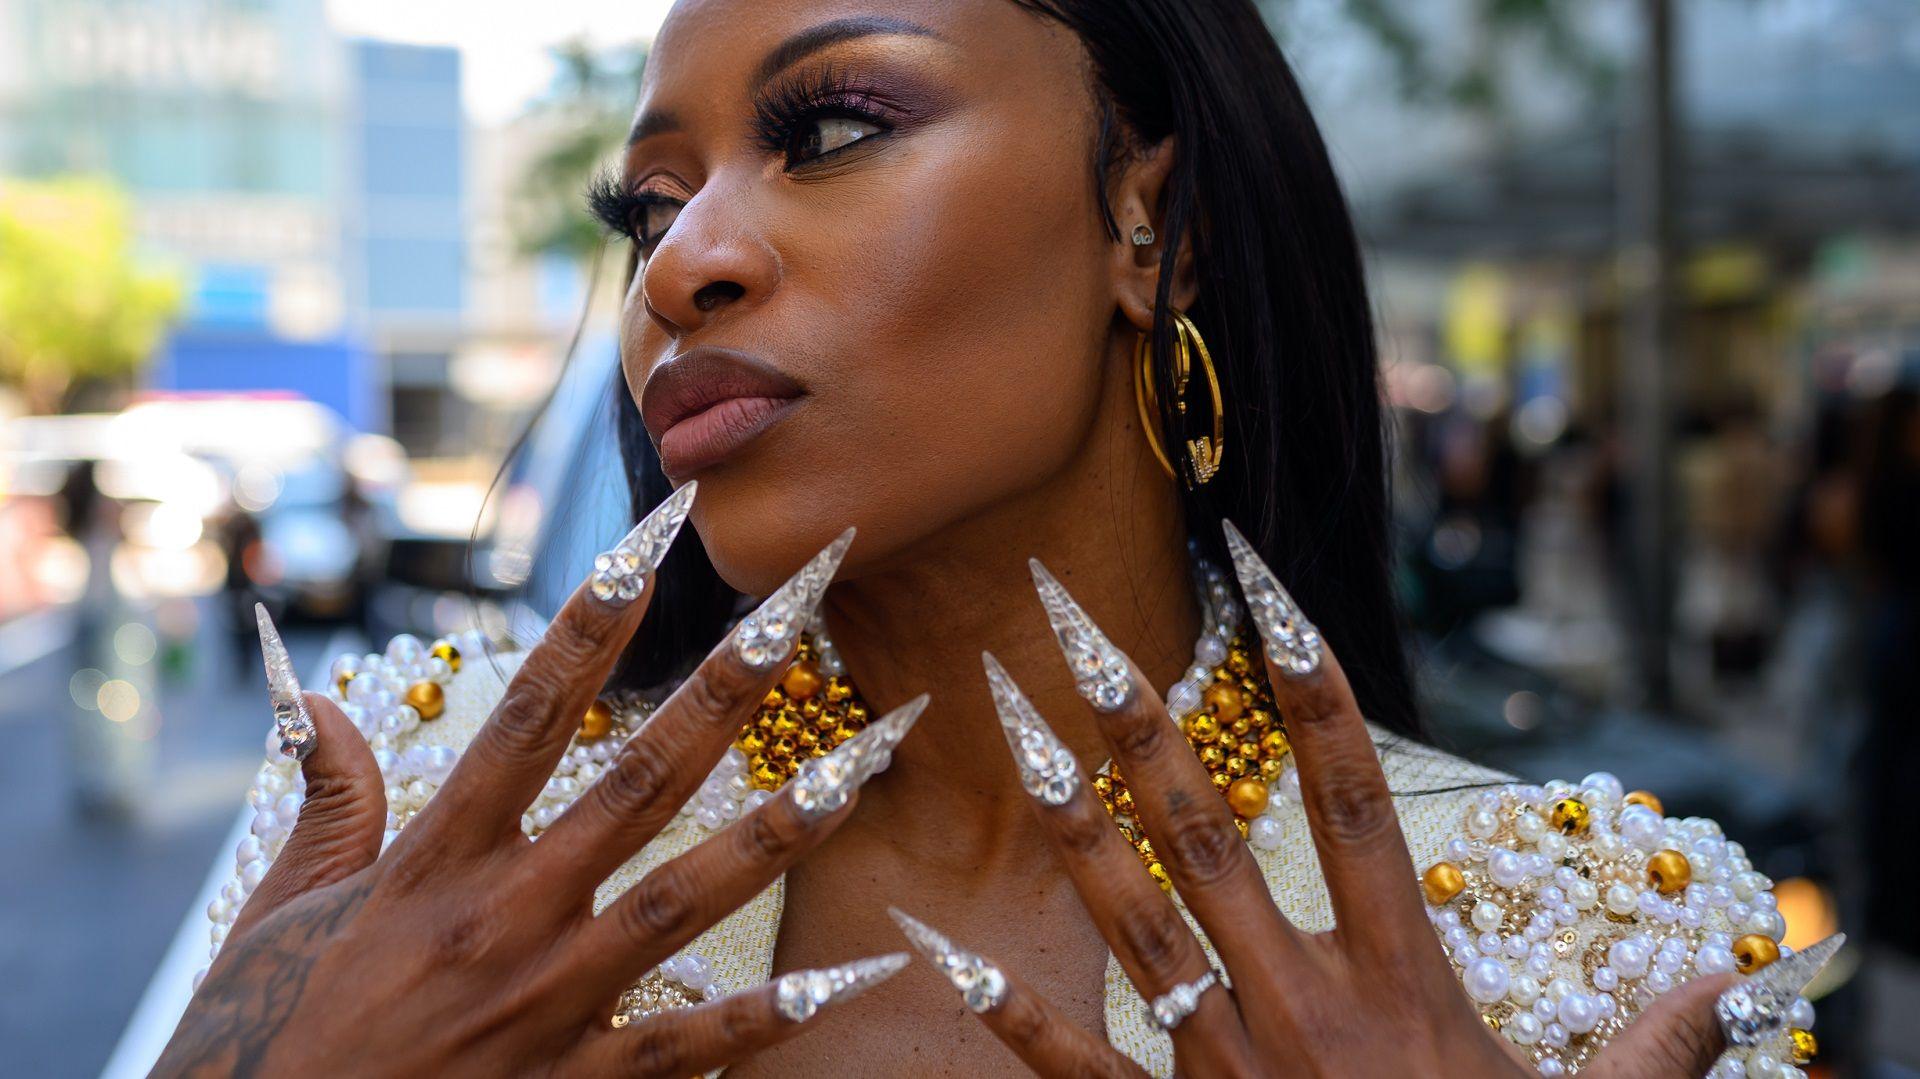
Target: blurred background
<point>284,284</point>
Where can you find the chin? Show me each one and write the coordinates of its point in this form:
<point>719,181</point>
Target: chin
<point>762,516</point>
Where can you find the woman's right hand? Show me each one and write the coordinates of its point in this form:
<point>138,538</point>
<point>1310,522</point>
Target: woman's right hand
<point>465,948</point>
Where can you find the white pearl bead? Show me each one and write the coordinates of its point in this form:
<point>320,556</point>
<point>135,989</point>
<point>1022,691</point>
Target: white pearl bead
<point>1486,979</point>
<point>1622,899</point>
<point>1481,824</point>
<point>1525,990</point>
<point>1523,1029</point>
<point>1551,1067</point>
<point>1583,894</point>
<point>1487,916</point>
<point>1580,1013</point>
<point>1629,957</point>
<point>1530,827</point>
<point>1506,868</point>
<point>1265,833</point>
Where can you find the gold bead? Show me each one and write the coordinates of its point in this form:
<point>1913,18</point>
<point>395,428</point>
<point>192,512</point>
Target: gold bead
<point>1221,781</point>
<point>1236,766</point>
<point>838,690</point>
<point>1213,757</point>
<point>1237,660</point>
<point>598,720</point>
<point>1492,1021</point>
<point>1274,744</point>
<point>1241,823</point>
<point>1247,797</point>
<point>1225,700</point>
<point>341,683</point>
<point>445,650</point>
<point>1569,816</point>
<point>811,708</point>
<point>427,698</point>
<point>1755,951</point>
<point>1241,727</point>
<point>1271,768</point>
<point>1249,750</point>
<point>1202,727</point>
<point>842,733</point>
<point>1123,801</point>
<point>1804,1045</point>
<point>1645,798</point>
<point>785,725</point>
<point>1668,871</point>
<point>1103,786</point>
<point>1441,882</point>
<point>752,741</point>
<point>807,740</point>
<point>1159,874</point>
<point>857,713</point>
<point>766,778</point>
<point>801,681</point>
<point>774,699</point>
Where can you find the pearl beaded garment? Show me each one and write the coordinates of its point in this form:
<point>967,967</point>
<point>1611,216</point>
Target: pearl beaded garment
<point>1566,908</point>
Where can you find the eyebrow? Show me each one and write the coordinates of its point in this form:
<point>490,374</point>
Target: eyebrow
<point>790,52</point>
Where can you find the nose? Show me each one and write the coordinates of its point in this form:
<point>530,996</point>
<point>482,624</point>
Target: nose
<point>712,260</point>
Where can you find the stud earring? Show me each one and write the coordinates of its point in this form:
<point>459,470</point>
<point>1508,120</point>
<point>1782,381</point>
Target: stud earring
<point>1142,235</point>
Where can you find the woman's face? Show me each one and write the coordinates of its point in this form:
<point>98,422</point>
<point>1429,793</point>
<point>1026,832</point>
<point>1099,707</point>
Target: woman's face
<point>875,287</point>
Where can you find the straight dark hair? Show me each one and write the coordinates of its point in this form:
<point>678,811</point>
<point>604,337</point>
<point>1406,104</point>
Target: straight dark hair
<point>1282,304</point>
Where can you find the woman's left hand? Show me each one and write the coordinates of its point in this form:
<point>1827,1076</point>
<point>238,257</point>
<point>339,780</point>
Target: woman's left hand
<point>1375,995</point>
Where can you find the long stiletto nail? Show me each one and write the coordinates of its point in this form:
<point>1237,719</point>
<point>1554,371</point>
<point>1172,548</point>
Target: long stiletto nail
<point>1100,672</point>
<point>620,575</point>
<point>824,783</point>
<point>290,715</point>
<point>765,637</point>
<point>980,983</point>
<point>1292,642</point>
<point>801,994</point>
<point>1756,1009</point>
<point>1047,768</point>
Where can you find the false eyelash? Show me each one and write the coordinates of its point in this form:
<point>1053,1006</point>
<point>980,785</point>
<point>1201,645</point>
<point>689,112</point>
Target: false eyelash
<point>820,92</point>
<point>618,207</point>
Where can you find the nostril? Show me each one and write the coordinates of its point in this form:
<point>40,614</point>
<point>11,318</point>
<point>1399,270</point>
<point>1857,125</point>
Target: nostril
<point>712,296</point>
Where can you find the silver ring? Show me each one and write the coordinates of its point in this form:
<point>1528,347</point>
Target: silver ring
<point>1172,1007</point>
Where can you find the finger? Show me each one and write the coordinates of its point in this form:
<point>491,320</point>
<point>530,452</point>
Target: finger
<point>1363,854</point>
<point>1192,829</point>
<point>1137,920</point>
<point>342,817</point>
<point>681,899</point>
<point>514,754</point>
<point>1679,1035</point>
<point>1039,1033</point>
<point>659,769</point>
<point>697,1040</point>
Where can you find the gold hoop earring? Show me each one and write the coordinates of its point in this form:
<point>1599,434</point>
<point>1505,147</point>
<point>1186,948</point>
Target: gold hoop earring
<point>1203,454</point>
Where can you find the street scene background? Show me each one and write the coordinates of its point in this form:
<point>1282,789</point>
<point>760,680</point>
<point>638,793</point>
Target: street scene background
<point>299,305</point>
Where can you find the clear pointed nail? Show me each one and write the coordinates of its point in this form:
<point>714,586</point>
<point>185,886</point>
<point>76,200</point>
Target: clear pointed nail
<point>290,716</point>
<point>1047,768</point>
<point>1756,1009</point>
<point>1293,644</point>
<point>620,574</point>
<point>801,994</point>
<point>1100,672</point>
<point>766,637</point>
<point>981,984</point>
<point>823,784</point>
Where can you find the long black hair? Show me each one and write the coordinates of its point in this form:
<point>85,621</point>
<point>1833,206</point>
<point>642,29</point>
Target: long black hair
<point>1282,304</point>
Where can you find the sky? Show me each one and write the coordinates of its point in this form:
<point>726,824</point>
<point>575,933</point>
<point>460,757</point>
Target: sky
<point>504,46</point>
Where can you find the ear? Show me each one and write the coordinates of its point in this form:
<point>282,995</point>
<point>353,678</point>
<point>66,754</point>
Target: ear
<point>1139,198</point>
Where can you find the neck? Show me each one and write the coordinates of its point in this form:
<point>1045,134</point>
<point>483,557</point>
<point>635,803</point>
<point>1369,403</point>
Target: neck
<point>918,624</point>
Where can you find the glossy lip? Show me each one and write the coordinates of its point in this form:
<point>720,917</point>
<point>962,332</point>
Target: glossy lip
<point>707,403</point>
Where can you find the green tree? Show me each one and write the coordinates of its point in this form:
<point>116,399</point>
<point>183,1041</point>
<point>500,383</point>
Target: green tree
<point>585,115</point>
<point>76,305</point>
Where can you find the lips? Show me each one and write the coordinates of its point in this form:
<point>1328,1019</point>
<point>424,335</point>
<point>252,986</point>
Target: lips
<point>706,404</point>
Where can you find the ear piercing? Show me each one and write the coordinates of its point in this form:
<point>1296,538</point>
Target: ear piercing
<point>1142,235</point>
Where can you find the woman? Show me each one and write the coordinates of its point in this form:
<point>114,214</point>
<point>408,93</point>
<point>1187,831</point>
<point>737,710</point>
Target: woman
<point>924,269</point>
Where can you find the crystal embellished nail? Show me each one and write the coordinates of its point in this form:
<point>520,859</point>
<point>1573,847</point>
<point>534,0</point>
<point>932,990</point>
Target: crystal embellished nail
<point>1756,1009</point>
<point>1100,672</point>
<point>290,716</point>
<point>1047,768</point>
<point>1292,642</point>
<point>620,575</point>
<point>801,994</point>
<point>980,983</point>
<point>765,637</point>
<point>823,784</point>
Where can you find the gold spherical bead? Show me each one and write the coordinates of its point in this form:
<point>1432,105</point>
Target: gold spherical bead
<point>752,741</point>
<point>1755,951</point>
<point>838,690</point>
<point>1645,798</point>
<point>766,778</point>
<point>1225,700</point>
<point>445,650</point>
<point>1442,881</point>
<point>340,683</point>
<point>1668,871</point>
<point>785,725</point>
<point>1237,660</point>
<point>773,699</point>
<point>1804,1045</point>
<point>428,699</point>
<point>1221,781</point>
<point>1274,744</point>
<point>1123,801</point>
<point>1103,786</point>
<point>1213,757</point>
<point>1236,766</point>
<point>1202,727</point>
<point>1569,816</point>
<point>801,681</point>
<point>1271,768</point>
<point>1247,797</point>
<point>598,720</point>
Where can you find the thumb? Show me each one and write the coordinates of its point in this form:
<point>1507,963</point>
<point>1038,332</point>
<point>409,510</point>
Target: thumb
<point>1679,1035</point>
<point>342,817</point>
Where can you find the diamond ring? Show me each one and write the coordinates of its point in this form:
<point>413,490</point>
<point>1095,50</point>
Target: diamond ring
<point>1172,1007</point>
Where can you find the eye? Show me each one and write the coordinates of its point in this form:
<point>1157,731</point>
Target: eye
<point>822,135</point>
<point>641,216</point>
<point>652,217</point>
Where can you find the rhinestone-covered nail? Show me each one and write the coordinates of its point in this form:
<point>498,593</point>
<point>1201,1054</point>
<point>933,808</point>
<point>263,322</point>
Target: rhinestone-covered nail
<point>1756,1009</point>
<point>1293,643</point>
<point>766,637</point>
<point>620,575</point>
<point>980,983</point>
<point>823,784</point>
<point>801,994</point>
<point>1100,672</point>
<point>1047,768</point>
<point>290,716</point>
